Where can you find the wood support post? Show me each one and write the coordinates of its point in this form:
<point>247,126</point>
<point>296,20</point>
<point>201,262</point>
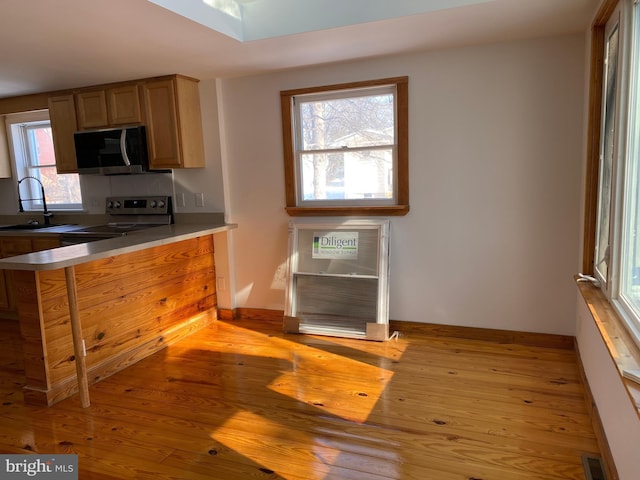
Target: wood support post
<point>76,331</point>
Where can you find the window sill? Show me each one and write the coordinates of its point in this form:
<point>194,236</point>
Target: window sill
<point>622,348</point>
<point>394,210</point>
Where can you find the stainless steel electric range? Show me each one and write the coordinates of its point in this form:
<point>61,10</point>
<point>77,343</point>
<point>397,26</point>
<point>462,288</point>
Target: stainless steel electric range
<point>126,214</point>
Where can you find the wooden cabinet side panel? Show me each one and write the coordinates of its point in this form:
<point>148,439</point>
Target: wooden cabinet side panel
<point>190,123</point>
<point>31,330</point>
<point>5,157</point>
<point>172,288</point>
<point>62,114</point>
<point>92,109</point>
<point>9,247</point>
<point>127,302</point>
<point>162,127</point>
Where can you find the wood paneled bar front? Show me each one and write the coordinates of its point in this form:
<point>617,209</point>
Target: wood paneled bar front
<point>88,311</point>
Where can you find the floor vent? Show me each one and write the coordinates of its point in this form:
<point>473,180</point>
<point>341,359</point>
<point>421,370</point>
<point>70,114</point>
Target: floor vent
<point>593,468</point>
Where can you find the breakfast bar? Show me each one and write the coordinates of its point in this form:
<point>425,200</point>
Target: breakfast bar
<point>89,310</point>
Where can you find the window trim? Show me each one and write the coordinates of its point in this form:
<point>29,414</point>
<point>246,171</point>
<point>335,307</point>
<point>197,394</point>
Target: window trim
<point>32,117</point>
<point>593,132</point>
<point>402,178</point>
<point>620,308</point>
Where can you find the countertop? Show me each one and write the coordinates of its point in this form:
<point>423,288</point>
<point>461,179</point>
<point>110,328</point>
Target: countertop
<point>62,257</point>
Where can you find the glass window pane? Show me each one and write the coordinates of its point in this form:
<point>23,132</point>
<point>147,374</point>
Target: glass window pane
<point>630,267</point>
<point>40,141</point>
<point>607,143</point>
<point>630,247</point>
<point>35,157</point>
<point>348,122</point>
<point>60,189</point>
<point>354,175</point>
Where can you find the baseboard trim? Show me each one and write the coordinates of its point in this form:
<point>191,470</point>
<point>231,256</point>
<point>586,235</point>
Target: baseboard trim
<point>530,339</point>
<point>250,313</point>
<point>430,329</point>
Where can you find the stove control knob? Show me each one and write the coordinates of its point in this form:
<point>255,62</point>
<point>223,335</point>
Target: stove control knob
<point>109,204</point>
<point>116,204</point>
<point>154,204</point>
<point>161,203</point>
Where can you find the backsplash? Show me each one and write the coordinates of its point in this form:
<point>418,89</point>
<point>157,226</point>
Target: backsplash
<point>96,188</point>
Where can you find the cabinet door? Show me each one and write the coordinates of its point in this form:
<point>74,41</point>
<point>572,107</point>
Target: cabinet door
<point>162,124</point>
<point>12,246</point>
<point>124,105</point>
<point>174,123</point>
<point>4,296</point>
<point>62,113</point>
<point>44,243</point>
<point>92,109</point>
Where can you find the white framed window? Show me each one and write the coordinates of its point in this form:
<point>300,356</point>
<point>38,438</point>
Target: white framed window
<point>616,259</point>
<point>627,225</point>
<point>346,148</point>
<point>34,163</point>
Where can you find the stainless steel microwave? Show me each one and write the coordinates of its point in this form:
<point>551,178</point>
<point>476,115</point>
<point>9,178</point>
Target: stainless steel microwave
<point>114,151</point>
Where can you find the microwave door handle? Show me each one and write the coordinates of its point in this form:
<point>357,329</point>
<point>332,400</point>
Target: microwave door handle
<point>123,147</point>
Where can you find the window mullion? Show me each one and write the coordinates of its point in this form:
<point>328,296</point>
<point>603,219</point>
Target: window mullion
<point>348,149</point>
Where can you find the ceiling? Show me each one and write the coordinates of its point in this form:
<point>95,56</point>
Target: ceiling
<point>48,45</point>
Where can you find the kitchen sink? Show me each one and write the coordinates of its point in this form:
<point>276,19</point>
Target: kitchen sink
<point>27,226</point>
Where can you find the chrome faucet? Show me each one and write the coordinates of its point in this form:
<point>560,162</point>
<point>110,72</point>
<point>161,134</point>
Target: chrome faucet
<point>47,213</point>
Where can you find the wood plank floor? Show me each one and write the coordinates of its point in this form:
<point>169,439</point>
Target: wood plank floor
<point>242,400</point>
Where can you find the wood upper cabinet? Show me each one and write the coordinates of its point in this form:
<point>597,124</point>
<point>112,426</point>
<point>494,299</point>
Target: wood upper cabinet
<point>169,108</point>
<point>62,114</point>
<point>5,159</point>
<point>108,107</point>
<point>173,123</point>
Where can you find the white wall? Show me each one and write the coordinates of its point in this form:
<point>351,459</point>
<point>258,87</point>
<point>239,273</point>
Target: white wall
<point>618,415</point>
<point>495,170</point>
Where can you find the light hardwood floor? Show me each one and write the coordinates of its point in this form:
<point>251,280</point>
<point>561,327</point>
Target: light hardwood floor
<point>242,400</point>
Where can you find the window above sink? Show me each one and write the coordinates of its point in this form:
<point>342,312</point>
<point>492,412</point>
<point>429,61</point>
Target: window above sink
<point>32,153</point>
